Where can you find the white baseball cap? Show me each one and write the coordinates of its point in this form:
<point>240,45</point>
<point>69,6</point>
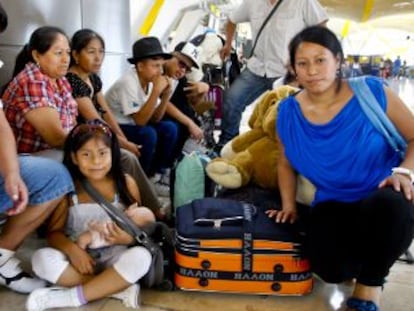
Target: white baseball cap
<point>188,53</point>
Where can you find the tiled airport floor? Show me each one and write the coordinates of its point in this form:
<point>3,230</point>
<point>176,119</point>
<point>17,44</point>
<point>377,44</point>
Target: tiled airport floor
<point>405,89</point>
<point>398,294</point>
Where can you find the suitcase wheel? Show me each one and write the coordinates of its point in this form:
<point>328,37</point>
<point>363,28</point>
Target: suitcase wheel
<point>278,268</point>
<point>166,286</point>
<point>203,282</point>
<point>276,287</point>
<point>205,264</point>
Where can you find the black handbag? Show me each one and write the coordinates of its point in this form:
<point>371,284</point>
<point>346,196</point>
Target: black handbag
<point>235,68</point>
<point>160,274</point>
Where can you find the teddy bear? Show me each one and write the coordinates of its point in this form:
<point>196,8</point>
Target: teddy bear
<point>252,156</point>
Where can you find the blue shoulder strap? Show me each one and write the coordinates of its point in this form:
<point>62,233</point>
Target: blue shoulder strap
<point>376,115</point>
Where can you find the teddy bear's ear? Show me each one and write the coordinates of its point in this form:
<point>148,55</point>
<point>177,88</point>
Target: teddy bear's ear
<point>3,19</point>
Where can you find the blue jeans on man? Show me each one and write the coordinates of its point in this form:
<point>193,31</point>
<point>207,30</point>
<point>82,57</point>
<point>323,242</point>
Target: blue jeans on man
<point>158,141</point>
<point>244,90</point>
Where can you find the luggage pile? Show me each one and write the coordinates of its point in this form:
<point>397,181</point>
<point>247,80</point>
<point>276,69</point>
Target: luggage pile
<point>231,246</point>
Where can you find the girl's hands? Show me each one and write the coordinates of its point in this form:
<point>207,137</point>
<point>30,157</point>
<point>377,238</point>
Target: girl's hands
<point>82,261</point>
<point>284,215</point>
<point>118,236</point>
<point>400,183</point>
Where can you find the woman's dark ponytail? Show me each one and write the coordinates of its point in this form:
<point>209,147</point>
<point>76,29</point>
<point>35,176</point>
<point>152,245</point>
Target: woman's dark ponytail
<point>22,59</point>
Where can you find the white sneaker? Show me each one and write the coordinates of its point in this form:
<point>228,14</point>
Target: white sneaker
<point>165,203</point>
<point>52,297</point>
<point>165,178</point>
<point>13,277</point>
<point>156,178</point>
<point>161,188</point>
<point>130,296</point>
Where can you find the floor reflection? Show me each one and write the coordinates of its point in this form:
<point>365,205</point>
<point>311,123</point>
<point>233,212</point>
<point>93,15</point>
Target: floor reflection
<point>405,89</point>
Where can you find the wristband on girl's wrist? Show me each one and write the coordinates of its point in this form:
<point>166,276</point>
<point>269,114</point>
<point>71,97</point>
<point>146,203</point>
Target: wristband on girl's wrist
<point>403,171</point>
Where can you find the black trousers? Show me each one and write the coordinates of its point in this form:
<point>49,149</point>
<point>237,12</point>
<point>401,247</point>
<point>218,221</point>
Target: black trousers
<point>359,240</point>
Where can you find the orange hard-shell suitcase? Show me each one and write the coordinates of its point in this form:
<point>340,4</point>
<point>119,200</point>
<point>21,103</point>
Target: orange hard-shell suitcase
<point>229,246</point>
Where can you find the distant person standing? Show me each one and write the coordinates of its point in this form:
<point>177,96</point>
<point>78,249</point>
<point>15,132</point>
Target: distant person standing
<point>396,67</point>
<point>403,70</point>
<point>270,54</point>
<point>356,70</point>
<point>382,68</point>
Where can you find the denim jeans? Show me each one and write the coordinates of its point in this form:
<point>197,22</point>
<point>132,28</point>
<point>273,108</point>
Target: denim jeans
<point>244,90</point>
<point>158,141</point>
<point>45,180</point>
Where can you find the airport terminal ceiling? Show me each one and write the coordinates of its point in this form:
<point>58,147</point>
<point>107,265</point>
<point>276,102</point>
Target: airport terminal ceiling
<point>378,13</point>
<point>370,27</point>
<point>364,10</point>
<point>383,13</point>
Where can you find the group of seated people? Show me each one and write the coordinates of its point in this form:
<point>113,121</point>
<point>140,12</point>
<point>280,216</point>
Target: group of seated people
<point>53,110</point>
<point>140,107</point>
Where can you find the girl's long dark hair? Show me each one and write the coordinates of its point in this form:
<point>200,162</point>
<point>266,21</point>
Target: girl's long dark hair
<point>82,133</point>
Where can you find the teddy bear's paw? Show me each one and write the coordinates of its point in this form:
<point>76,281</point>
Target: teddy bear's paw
<point>224,174</point>
<point>227,151</point>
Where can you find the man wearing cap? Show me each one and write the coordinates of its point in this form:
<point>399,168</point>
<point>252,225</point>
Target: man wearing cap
<point>140,99</point>
<point>185,57</point>
<point>186,94</point>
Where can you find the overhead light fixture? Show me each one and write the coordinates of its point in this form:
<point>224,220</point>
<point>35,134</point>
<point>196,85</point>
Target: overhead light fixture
<point>402,4</point>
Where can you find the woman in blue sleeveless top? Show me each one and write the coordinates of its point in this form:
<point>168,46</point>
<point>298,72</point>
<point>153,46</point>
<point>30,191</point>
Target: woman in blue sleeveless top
<point>362,217</point>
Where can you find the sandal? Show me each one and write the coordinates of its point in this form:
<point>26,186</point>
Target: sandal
<point>361,305</point>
